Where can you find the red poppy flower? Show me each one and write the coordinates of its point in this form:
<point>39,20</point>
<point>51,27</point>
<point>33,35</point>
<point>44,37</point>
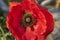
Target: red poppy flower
<point>29,21</point>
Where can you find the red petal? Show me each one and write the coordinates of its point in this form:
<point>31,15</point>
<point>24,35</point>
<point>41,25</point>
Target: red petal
<point>49,20</point>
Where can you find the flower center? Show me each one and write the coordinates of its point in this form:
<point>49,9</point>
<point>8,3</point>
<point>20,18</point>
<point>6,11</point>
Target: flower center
<point>28,19</point>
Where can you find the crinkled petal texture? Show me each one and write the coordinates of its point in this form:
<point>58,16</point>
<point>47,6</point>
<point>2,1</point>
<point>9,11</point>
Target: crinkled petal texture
<point>42,27</point>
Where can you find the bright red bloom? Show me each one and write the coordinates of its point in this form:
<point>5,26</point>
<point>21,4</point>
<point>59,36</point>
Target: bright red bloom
<point>28,21</point>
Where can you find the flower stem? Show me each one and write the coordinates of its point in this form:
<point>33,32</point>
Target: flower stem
<point>3,38</point>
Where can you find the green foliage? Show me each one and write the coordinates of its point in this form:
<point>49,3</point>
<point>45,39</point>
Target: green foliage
<point>4,32</point>
<point>7,1</point>
<point>1,12</point>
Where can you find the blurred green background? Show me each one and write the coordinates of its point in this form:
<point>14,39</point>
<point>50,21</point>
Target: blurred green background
<point>50,5</point>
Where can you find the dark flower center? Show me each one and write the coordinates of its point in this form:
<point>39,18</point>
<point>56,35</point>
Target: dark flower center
<point>27,20</point>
